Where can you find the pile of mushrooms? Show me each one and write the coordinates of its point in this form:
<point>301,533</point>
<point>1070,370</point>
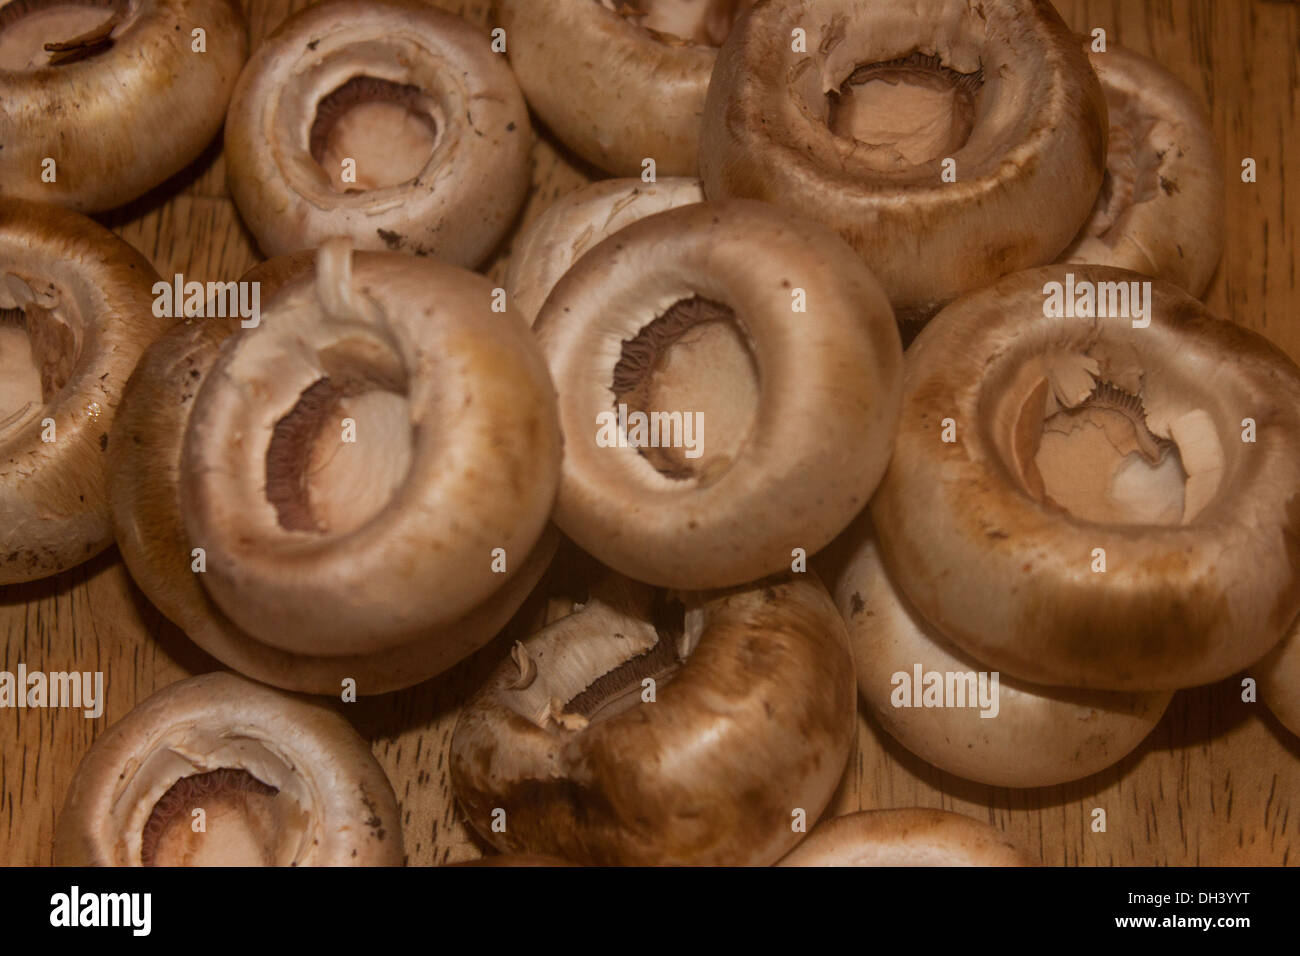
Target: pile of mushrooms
<point>675,478</point>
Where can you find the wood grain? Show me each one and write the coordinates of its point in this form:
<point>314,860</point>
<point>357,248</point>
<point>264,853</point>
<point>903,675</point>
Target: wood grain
<point>1215,783</point>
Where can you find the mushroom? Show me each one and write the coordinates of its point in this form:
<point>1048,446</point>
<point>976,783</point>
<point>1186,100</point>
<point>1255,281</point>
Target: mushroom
<point>637,91</point>
<point>1096,502</point>
<point>580,221</point>
<point>911,837</point>
<point>950,143</point>
<point>1279,682</point>
<point>388,121</point>
<point>76,312</point>
<point>728,377</point>
<point>945,707</point>
<point>218,770</point>
<point>648,737</point>
<point>1161,207</point>
<point>105,99</point>
<point>381,509</point>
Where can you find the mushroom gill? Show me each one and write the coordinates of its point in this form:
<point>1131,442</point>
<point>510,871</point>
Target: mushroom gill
<point>909,110</point>
<point>388,129</point>
<point>239,814</point>
<point>693,360</point>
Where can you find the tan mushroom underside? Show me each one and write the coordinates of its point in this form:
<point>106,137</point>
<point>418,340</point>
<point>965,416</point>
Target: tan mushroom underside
<point>465,191</point>
<point>980,548</point>
<point>87,305</point>
<point>796,407</point>
<point>122,121</point>
<point>333,805</point>
<point>1161,211</point>
<point>753,726</point>
<point>910,837</point>
<point>1026,172</point>
<point>1017,735</point>
<point>577,223</point>
<point>144,467</point>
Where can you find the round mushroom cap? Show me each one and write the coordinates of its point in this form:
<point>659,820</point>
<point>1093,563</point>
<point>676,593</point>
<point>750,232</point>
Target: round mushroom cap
<point>728,377</point>
<point>1279,682</point>
<point>910,837</point>
<point>949,710</point>
<point>281,781</point>
<point>637,91</point>
<point>124,101</point>
<point>1161,210</point>
<point>949,143</point>
<point>76,312</point>
<point>609,740</point>
<point>1103,502</point>
<point>580,221</point>
<point>145,460</point>
<point>388,121</point>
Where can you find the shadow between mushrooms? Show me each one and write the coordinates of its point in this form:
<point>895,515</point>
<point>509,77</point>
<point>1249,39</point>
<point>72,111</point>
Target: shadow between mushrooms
<point>711,427</point>
<point>910,837</point>
<point>854,131</point>
<point>362,516</point>
<point>1161,207</point>
<point>113,92</point>
<point>752,718</point>
<point>1102,517</point>
<point>76,312</point>
<point>280,781</point>
<point>388,121</point>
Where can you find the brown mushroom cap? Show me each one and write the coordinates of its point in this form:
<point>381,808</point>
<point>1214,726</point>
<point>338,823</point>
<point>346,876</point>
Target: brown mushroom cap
<point>144,467</point>
<point>853,133</point>
<point>910,837</point>
<point>1032,736</point>
<point>117,117</point>
<point>638,88</point>
<point>76,312</point>
<point>1161,208</point>
<point>577,223</point>
<point>754,723</point>
<point>433,119</point>
<point>1087,440</point>
<point>283,781</point>
<point>690,311</point>
<point>1279,682</point>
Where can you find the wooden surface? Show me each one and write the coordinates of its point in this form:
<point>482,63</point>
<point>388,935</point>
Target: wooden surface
<point>1216,782</point>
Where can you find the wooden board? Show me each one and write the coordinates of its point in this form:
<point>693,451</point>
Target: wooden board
<point>1215,783</point>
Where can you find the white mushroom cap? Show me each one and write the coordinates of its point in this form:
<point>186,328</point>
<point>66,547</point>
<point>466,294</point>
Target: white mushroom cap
<point>911,837</point>
<point>1161,209</point>
<point>1173,570</point>
<point>331,804</point>
<point>580,221</point>
<point>441,71</point>
<point>1018,735</point>
<point>125,116</point>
